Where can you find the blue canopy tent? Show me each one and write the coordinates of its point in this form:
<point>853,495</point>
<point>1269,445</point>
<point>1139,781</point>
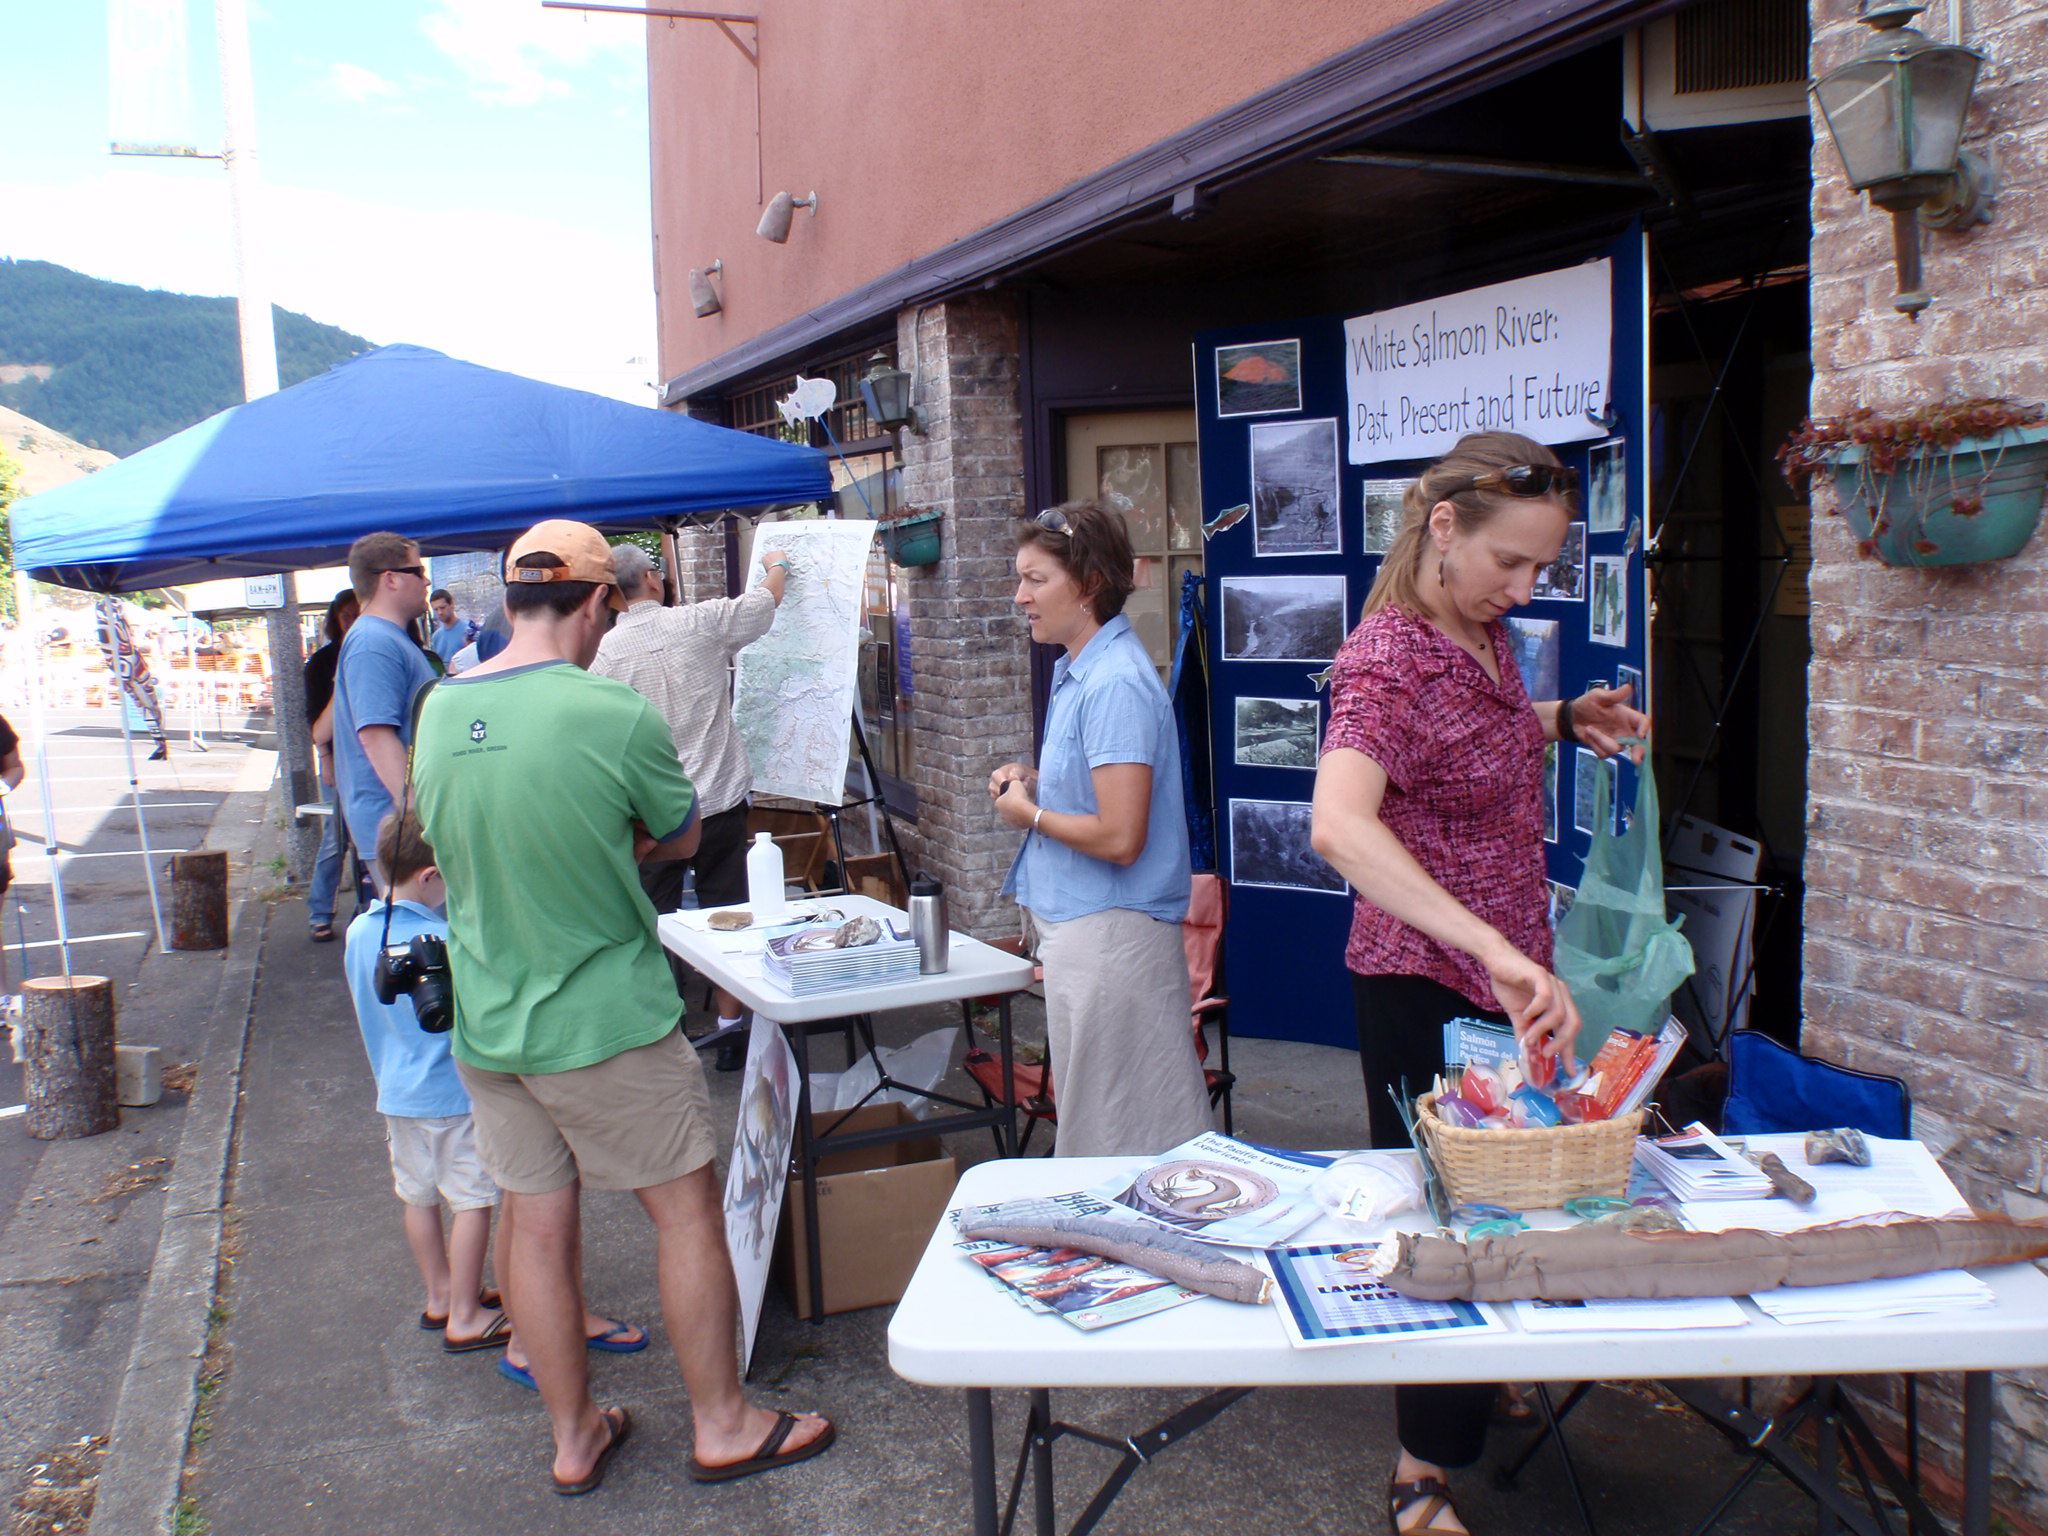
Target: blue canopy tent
<point>458,457</point>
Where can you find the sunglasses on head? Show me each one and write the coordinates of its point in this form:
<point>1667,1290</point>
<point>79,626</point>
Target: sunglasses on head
<point>1053,520</point>
<point>1528,480</point>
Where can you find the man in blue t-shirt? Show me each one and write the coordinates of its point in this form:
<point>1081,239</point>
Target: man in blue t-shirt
<point>382,669</point>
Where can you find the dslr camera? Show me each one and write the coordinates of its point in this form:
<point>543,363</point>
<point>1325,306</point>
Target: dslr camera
<point>419,969</point>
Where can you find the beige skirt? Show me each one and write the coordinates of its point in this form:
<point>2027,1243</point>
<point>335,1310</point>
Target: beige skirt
<point>1124,1071</point>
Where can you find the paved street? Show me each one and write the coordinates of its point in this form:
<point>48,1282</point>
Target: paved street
<point>107,904</point>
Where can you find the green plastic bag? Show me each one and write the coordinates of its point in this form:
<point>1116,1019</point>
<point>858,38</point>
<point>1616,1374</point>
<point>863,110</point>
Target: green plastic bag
<point>1616,950</point>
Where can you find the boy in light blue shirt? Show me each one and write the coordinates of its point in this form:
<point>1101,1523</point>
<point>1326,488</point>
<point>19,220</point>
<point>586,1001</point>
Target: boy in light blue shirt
<point>425,1107</point>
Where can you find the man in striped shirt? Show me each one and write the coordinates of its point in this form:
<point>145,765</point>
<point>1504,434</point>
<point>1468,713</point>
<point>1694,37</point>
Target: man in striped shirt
<point>680,660</point>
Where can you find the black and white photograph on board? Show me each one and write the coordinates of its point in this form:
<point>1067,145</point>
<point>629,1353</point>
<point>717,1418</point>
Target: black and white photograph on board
<point>1282,618</point>
<point>1294,488</point>
<point>1383,502</point>
<point>1539,653</point>
<point>1607,606</point>
<point>1607,486</point>
<point>1564,579</point>
<point>1259,378</point>
<point>1276,733</point>
<point>1269,846</point>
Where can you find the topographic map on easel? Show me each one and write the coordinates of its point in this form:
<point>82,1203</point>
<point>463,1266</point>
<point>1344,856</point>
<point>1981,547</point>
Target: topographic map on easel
<point>794,694</point>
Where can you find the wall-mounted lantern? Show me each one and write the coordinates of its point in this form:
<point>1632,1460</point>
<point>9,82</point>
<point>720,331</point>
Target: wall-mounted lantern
<point>1896,114</point>
<point>886,391</point>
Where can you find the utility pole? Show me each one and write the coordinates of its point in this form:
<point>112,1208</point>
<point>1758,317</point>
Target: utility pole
<point>259,378</point>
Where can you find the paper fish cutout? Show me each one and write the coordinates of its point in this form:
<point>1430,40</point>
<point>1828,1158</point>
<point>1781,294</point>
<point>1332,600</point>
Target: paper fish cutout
<point>810,399</point>
<point>1229,517</point>
<point>1322,679</point>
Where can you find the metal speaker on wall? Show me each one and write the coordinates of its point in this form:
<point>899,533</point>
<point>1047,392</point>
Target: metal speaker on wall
<point>704,297</point>
<point>782,207</point>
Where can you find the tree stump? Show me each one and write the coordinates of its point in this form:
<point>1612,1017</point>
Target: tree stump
<point>67,1050</point>
<point>199,900</point>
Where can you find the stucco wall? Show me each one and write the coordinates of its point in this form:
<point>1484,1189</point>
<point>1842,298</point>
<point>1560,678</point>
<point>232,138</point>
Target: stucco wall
<point>918,124</point>
<point>1927,852</point>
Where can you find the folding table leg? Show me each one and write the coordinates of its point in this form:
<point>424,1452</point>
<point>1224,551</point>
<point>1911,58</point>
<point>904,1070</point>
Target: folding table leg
<point>807,1170</point>
<point>981,1456</point>
<point>1006,1127</point>
<point>1041,1459</point>
<point>1564,1455</point>
<point>1976,1453</point>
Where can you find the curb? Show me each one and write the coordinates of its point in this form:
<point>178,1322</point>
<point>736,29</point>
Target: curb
<point>142,1476</point>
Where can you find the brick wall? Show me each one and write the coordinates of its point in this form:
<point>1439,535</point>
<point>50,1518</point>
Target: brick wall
<point>967,644</point>
<point>1926,947</point>
<point>700,562</point>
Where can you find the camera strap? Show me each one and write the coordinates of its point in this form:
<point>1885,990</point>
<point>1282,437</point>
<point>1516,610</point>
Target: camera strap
<point>419,701</point>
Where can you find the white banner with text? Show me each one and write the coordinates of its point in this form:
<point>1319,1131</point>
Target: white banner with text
<point>1531,356</point>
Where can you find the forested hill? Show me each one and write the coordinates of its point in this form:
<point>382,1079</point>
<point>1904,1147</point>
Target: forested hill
<point>130,366</point>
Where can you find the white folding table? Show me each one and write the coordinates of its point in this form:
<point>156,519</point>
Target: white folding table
<point>973,969</point>
<point>954,1328</point>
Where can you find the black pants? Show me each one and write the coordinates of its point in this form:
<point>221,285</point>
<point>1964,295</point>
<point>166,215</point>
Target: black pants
<point>721,865</point>
<point>1401,1035</point>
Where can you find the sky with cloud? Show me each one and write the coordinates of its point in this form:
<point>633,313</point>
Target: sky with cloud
<point>469,175</point>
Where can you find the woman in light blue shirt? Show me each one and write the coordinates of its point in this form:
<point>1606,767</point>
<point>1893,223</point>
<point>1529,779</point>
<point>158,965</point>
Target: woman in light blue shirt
<point>1103,873</point>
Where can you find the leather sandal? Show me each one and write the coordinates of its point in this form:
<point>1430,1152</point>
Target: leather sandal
<point>1431,1492</point>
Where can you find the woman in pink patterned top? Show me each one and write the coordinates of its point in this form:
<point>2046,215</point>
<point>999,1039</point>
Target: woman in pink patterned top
<point>1429,801</point>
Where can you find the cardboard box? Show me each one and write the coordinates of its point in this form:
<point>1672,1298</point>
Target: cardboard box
<point>876,1211</point>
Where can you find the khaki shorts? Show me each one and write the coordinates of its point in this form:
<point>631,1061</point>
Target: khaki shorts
<point>434,1160</point>
<point>634,1120</point>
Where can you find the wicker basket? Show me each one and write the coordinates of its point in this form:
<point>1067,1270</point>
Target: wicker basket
<point>1530,1170</point>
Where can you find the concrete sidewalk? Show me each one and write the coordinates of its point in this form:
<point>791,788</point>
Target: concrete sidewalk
<point>337,1415</point>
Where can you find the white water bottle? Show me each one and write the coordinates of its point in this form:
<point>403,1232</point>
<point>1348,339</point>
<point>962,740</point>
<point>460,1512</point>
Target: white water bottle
<point>764,880</point>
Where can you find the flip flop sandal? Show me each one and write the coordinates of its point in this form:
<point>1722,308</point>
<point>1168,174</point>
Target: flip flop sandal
<point>1513,1411</point>
<point>611,1342</point>
<point>497,1336</point>
<point>621,1422</point>
<point>518,1375</point>
<point>429,1323</point>
<point>323,933</point>
<point>768,1456</point>
<point>1433,1493</point>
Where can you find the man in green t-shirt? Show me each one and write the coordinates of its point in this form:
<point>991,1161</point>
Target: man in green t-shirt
<point>540,787</point>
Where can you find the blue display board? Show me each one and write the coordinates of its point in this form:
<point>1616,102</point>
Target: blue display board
<point>1297,530</point>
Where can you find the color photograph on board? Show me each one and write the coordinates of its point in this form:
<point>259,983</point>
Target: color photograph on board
<point>1282,618</point>
<point>1607,609</point>
<point>1631,677</point>
<point>1550,792</point>
<point>1294,488</point>
<point>1259,378</point>
<point>1607,486</point>
<point>1539,652</point>
<point>1586,774</point>
<point>1383,514</point>
<point>1564,579</point>
<point>1276,733</point>
<point>1269,846</point>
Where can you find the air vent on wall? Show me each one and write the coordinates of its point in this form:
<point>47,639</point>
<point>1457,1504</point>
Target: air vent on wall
<point>1725,61</point>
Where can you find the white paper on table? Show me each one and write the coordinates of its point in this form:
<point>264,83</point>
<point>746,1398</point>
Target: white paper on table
<point>1945,1290</point>
<point>1629,1313</point>
<point>1903,1176</point>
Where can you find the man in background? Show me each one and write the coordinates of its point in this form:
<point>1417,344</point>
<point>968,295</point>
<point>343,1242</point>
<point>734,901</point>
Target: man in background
<point>451,631</point>
<point>680,661</point>
<point>380,671</point>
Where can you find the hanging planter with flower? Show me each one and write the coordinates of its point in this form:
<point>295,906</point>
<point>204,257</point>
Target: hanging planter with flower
<point>911,536</point>
<point>1949,484</point>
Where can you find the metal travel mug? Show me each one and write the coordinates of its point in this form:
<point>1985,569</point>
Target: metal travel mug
<point>928,924</point>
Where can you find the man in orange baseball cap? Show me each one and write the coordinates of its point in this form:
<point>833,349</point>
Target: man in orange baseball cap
<point>540,787</point>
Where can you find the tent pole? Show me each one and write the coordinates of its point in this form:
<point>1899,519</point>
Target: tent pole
<point>25,605</point>
<point>156,909</point>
